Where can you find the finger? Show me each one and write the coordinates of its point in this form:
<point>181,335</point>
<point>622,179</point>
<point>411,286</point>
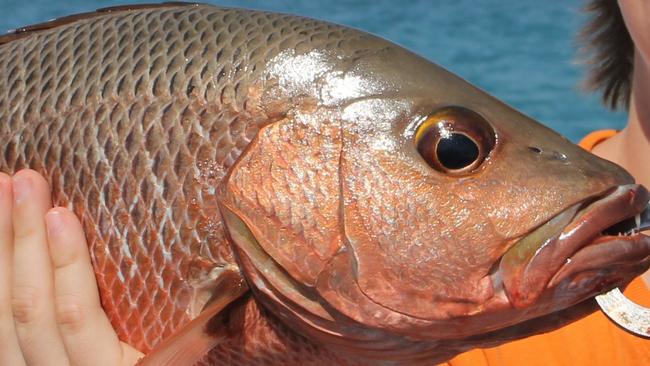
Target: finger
<point>10,353</point>
<point>87,333</point>
<point>33,287</point>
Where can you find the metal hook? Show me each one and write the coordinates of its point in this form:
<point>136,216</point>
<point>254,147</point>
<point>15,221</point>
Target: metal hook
<point>629,315</point>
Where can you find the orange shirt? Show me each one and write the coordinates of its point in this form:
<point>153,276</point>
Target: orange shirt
<point>591,341</point>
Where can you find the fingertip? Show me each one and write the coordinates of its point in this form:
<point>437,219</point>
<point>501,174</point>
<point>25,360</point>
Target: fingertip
<point>66,238</point>
<point>29,185</point>
<point>26,176</point>
<point>21,184</point>
<point>60,219</point>
<point>53,222</point>
<point>27,173</point>
<point>33,176</point>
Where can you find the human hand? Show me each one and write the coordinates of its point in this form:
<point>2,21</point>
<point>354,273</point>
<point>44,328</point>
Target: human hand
<point>50,313</point>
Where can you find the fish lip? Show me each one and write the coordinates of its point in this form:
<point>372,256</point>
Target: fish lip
<point>581,247</point>
<point>605,253</point>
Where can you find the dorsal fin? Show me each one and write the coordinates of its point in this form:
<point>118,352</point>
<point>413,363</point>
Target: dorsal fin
<point>31,29</point>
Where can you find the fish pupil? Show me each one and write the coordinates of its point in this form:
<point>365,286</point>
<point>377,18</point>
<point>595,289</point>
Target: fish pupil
<point>457,151</point>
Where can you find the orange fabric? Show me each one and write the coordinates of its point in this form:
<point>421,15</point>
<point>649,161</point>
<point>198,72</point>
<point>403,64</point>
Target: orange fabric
<point>596,137</point>
<point>591,341</point>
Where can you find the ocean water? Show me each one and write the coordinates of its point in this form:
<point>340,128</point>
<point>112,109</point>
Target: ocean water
<point>522,51</point>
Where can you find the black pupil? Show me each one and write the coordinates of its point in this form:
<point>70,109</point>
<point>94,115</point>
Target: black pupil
<point>456,151</point>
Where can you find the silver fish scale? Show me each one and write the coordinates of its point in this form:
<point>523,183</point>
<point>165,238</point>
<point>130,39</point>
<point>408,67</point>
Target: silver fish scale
<point>134,117</point>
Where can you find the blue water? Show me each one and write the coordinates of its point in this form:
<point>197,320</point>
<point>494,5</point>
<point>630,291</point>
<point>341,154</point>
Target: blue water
<point>522,51</point>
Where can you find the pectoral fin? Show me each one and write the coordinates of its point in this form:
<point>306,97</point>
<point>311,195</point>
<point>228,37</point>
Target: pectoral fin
<point>193,341</point>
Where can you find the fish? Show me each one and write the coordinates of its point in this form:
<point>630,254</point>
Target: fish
<point>267,189</point>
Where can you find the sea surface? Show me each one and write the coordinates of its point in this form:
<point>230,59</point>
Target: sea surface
<point>522,51</point>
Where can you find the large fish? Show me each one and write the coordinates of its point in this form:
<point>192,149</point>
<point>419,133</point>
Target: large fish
<point>286,191</point>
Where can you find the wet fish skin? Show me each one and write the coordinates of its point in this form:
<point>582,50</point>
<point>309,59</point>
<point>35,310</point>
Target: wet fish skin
<point>152,122</point>
<point>134,117</point>
<point>135,128</point>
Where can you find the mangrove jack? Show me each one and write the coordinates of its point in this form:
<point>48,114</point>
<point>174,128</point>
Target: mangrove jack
<point>267,189</point>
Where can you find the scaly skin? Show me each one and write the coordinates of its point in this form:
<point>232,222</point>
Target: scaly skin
<point>135,117</point>
<point>192,139</point>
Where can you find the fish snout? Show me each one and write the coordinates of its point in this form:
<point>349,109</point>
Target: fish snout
<point>576,169</point>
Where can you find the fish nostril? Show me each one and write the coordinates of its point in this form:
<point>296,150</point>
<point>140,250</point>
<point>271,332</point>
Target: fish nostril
<point>555,155</point>
<point>559,156</point>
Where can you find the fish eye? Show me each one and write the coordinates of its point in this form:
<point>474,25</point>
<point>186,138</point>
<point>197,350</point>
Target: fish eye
<point>455,140</point>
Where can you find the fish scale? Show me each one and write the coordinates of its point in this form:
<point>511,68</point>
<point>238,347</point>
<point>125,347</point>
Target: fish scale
<point>134,128</point>
<point>185,136</point>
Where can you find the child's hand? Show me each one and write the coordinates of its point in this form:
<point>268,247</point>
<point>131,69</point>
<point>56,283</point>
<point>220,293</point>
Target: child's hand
<point>50,313</point>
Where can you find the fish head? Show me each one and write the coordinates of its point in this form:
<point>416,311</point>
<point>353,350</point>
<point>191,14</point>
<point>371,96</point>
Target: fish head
<point>393,203</point>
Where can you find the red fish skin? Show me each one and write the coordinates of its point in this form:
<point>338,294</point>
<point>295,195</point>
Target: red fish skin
<point>137,144</point>
<point>138,117</point>
<point>259,339</point>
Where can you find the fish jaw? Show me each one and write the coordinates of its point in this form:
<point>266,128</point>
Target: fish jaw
<point>571,252</point>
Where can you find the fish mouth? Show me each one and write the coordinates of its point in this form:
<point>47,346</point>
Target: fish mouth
<point>590,247</point>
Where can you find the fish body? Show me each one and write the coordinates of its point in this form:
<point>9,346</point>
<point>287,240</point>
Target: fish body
<point>194,141</point>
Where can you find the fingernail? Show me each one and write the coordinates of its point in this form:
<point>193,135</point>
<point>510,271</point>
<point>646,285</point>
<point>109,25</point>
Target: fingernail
<point>22,186</point>
<point>54,221</point>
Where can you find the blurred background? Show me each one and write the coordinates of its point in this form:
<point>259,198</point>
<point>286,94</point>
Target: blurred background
<point>522,51</point>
